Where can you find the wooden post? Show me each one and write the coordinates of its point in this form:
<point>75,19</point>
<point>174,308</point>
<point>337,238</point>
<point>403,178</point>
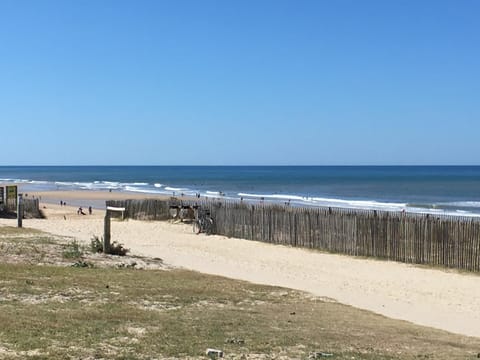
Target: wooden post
<point>19,210</point>
<point>106,235</point>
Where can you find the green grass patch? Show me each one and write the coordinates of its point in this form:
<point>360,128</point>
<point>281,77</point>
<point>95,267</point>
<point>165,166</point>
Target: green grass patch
<point>11,230</point>
<point>63,312</point>
<point>73,250</point>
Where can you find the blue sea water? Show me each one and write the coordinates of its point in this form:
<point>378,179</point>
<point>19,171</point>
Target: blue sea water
<point>421,189</point>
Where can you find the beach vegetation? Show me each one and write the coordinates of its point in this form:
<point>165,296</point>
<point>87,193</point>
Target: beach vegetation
<point>85,312</point>
<point>119,249</point>
<point>116,248</point>
<point>96,245</point>
<point>54,311</point>
<point>25,244</point>
<point>73,250</point>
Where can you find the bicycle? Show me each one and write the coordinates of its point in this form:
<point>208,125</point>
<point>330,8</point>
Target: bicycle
<point>203,222</point>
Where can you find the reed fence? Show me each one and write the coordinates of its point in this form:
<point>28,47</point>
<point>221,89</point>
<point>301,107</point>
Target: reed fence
<point>31,209</point>
<point>446,241</point>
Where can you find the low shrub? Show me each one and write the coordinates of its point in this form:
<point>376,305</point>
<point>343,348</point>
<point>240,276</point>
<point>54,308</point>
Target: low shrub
<point>72,250</point>
<point>96,246</point>
<point>118,249</point>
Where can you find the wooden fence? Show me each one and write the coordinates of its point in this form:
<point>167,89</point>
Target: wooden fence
<point>446,241</point>
<point>31,209</point>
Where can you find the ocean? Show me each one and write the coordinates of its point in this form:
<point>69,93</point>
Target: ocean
<point>452,190</point>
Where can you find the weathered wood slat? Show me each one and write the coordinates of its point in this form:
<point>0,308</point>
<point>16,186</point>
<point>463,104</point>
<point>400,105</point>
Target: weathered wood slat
<point>411,238</point>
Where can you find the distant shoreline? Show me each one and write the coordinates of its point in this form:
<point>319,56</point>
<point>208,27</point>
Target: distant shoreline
<point>435,190</point>
<point>86,198</point>
<point>97,200</point>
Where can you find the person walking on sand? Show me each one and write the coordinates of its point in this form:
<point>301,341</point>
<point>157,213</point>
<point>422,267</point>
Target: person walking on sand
<point>89,210</point>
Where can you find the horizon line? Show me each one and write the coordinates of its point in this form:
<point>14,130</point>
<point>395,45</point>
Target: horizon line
<point>241,165</point>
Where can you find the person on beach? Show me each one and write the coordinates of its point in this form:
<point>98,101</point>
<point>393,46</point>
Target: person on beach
<point>90,210</point>
<point>80,211</point>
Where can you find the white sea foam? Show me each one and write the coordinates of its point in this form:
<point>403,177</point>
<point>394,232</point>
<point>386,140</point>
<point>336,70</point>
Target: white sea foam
<point>158,185</point>
<point>472,204</point>
<point>113,183</point>
<point>96,185</point>
<point>145,191</point>
<point>169,188</point>
<point>360,204</point>
<point>273,196</point>
<point>15,180</point>
<point>357,204</point>
<point>62,183</point>
<point>100,183</point>
<point>214,193</point>
<point>329,202</point>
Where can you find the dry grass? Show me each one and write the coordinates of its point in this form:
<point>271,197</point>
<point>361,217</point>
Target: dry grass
<point>61,312</point>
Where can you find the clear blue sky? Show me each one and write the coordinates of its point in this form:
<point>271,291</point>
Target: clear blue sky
<point>239,82</point>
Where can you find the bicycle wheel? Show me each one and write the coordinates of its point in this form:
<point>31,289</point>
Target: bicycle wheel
<point>209,226</point>
<point>197,229</point>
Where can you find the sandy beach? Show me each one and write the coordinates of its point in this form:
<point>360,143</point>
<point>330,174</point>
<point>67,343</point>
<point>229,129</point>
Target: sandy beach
<point>86,198</point>
<point>437,298</point>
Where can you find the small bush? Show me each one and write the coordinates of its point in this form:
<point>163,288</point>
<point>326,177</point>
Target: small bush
<point>72,250</point>
<point>118,249</point>
<point>96,245</point>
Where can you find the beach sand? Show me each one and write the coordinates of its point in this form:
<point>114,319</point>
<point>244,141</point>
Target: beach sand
<point>438,298</point>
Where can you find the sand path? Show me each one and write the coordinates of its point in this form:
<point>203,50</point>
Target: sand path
<point>441,299</point>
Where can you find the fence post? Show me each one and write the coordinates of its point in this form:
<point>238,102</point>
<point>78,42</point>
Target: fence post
<point>106,235</point>
<point>19,210</point>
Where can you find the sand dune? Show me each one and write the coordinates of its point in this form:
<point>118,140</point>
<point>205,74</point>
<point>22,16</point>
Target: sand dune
<point>442,299</point>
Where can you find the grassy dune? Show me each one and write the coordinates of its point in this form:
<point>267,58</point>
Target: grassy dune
<point>56,311</point>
